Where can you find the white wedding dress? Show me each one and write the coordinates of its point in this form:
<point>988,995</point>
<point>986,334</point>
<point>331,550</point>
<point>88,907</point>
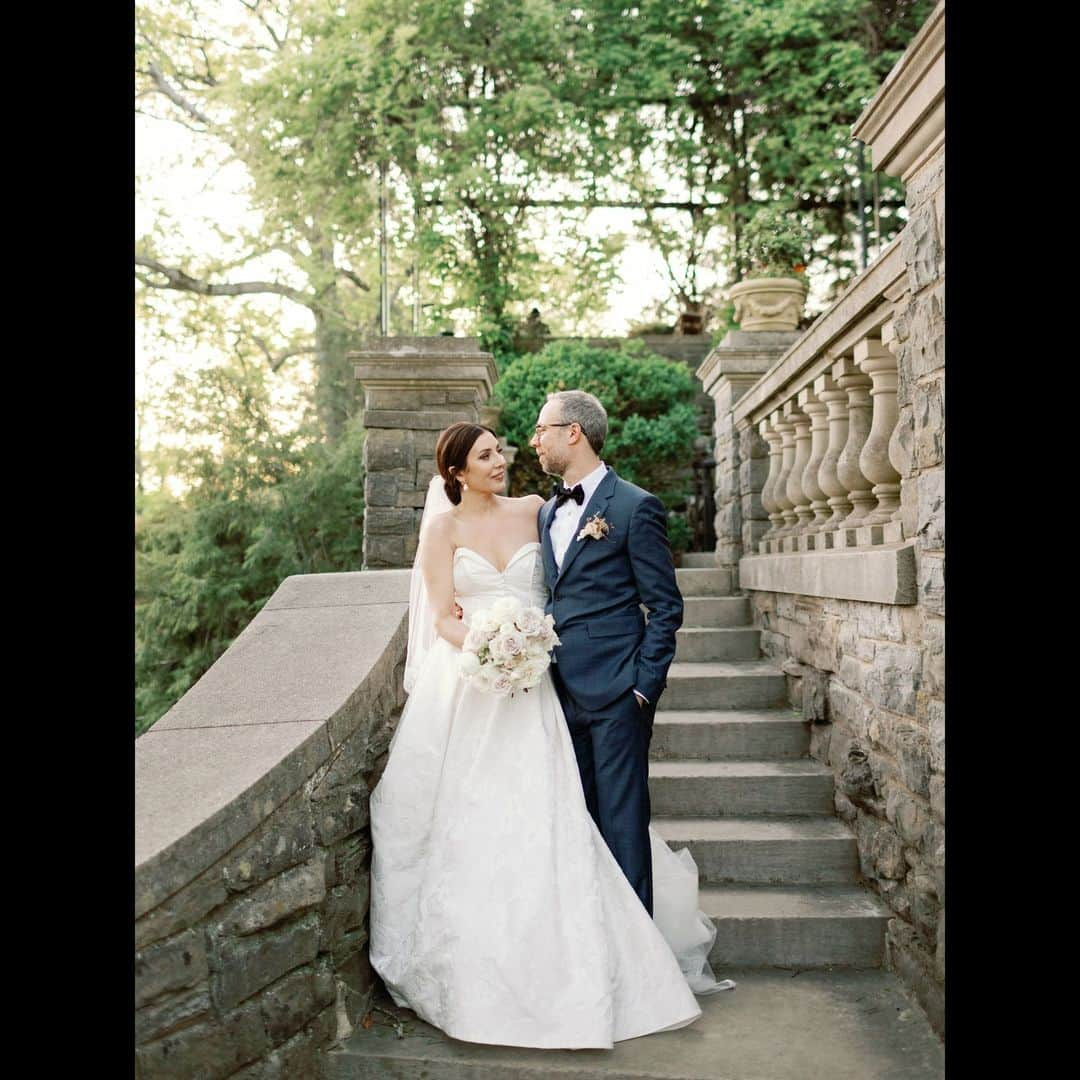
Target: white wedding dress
<point>498,913</point>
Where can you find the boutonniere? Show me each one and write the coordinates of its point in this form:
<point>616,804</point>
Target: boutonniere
<point>596,528</point>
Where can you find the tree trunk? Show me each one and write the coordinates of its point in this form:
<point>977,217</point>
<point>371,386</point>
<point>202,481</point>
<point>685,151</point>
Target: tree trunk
<point>335,387</point>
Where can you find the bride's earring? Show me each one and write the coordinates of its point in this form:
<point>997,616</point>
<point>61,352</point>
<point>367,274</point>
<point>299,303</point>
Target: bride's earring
<point>465,487</point>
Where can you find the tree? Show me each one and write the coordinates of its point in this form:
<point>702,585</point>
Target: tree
<point>264,501</point>
<point>731,104</point>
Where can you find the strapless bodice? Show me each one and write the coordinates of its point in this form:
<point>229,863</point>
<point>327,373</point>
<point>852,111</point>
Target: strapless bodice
<point>477,583</point>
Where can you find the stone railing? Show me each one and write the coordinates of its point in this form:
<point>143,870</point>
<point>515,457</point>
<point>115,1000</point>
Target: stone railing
<point>252,846</point>
<point>826,519</point>
<point>830,451</point>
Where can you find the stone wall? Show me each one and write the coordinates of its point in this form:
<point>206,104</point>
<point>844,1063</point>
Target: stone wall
<point>253,841</point>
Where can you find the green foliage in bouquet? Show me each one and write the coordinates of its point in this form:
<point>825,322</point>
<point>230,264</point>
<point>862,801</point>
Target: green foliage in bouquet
<point>652,422</point>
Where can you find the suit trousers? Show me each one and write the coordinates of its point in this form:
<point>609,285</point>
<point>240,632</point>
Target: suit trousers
<point>612,749</point>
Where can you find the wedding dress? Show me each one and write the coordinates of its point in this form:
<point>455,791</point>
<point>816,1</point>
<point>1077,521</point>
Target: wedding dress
<point>498,913</point>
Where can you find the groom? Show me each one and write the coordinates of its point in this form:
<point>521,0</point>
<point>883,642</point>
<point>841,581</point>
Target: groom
<point>606,552</point>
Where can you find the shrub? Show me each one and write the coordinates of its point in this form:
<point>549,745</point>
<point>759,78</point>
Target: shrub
<point>652,421</point>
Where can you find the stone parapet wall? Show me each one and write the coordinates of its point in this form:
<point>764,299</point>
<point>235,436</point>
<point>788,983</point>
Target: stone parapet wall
<point>253,840</point>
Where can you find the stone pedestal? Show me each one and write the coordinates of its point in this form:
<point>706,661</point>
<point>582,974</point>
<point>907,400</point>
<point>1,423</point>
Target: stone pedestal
<point>742,458</point>
<point>413,389</point>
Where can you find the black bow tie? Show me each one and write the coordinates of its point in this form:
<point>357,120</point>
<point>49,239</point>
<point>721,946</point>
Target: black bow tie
<point>562,493</point>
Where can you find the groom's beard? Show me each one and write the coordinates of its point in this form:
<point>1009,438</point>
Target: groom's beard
<point>554,466</point>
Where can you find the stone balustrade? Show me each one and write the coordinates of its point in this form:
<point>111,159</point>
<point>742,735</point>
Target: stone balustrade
<point>252,846</point>
<point>822,413</point>
<point>830,450</point>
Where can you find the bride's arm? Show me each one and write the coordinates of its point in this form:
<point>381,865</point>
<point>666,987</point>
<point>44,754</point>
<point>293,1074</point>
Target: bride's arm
<point>437,565</point>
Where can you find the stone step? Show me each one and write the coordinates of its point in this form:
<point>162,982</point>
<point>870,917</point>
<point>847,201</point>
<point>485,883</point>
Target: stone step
<point>727,734</point>
<point>698,560</point>
<point>717,643</point>
<point>716,611</point>
<point>698,582</point>
<point>844,1024</point>
<point>794,926</point>
<point>698,789</point>
<point>755,850</point>
<point>734,684</point>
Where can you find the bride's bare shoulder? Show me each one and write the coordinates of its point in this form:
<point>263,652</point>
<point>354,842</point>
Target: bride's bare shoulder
<point>442,528</point>
<point>527,502</point>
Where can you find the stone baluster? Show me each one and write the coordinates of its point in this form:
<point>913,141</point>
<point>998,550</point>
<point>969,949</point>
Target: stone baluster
<point>859,489</point>
<point>836,400</point>
<point>875,360</point>
<point>784,505</point>
<point>776,452</point>
<point>799,498</point>
<point>816,409</point>
<point>899,442</point>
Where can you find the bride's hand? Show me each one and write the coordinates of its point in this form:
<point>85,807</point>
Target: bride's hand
<point>457,611</point>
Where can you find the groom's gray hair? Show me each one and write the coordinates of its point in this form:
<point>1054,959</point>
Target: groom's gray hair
<point>581,407</point>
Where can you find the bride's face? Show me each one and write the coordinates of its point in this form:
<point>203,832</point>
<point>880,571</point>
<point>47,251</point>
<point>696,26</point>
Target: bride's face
<point>485,467</point>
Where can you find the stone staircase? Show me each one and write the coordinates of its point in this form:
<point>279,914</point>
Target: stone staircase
<point>730,778</point>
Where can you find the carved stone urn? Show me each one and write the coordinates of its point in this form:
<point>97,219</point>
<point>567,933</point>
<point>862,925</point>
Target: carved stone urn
<point>768,303</point>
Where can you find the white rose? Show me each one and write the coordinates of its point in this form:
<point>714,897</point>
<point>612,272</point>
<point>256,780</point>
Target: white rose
<point>505,608</point>
<point>531,673</point>
<point>530,621</point>
<point>503,683</point>
<point>513,643</point>
<point>484,622</point>
<point>475,640</point>
<point>469,663</point>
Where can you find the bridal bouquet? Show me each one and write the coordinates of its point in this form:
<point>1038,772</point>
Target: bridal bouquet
<point>508,647</point>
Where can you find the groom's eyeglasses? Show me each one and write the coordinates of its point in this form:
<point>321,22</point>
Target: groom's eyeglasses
<point>541,428</point>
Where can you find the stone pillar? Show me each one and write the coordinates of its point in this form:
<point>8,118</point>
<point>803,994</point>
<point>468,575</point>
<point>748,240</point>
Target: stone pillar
<point>836,401</point>
<point>859,489</point>
<point>875,360</point>
<point>413,388</point>
<point>742,457</point>
<point>816,409</point>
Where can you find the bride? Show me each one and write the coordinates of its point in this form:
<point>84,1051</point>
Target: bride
<point>498,913</point>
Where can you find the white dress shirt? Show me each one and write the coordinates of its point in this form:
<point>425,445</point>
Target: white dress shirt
<point>566,523</point>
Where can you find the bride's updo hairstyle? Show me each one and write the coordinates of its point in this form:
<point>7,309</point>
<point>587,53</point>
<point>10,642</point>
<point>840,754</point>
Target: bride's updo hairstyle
<point>452,452</point>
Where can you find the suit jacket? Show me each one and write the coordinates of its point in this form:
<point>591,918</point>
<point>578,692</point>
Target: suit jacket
<point>607,648</point>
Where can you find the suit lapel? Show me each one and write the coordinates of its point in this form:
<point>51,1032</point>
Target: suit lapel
<point>596,505</point>
<point>550,568</point>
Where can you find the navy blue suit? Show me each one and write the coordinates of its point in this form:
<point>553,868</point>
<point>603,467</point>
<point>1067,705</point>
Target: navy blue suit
<point>607,650</point>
